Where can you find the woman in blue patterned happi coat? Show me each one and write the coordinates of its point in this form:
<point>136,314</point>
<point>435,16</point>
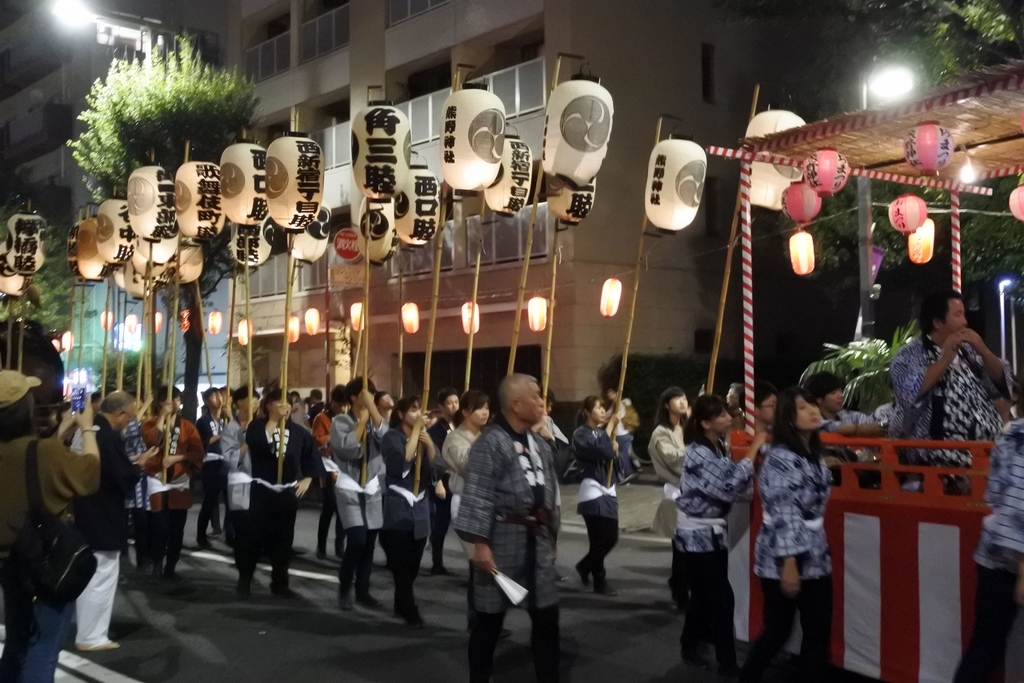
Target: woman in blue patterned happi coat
<point>792,557</point>
<point>710,483</point>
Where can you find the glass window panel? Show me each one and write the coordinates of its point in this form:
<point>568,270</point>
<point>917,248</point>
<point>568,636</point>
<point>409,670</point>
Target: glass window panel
<point>504,86</point>
<point>341,26</point>
<point>252,64</point>
<point>284,58</point>
<point>540,234</point>
<point>308,42</point>
<point>399,10</point>
<point>420,119</point>
<point>436,105</point>
<point>343,143</point>
<point>418,7</point>
<point>531,85</point>
<point>266,60</point>
<point>506,240</point>
<point>324,35</point>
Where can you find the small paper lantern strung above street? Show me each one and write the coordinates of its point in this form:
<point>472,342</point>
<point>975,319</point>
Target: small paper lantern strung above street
<point>537,313</point>
<point>472,137</point>
<point>611,293</point>
<point>216,323</point>
<point>114,234</point>
<point>929,147</point>
<point>1017,202</point>
<point>293,329</point>
<point>907,213</point>
<point>295,181</point>
<point>159,252</point>
<point>417,206</point>
<point>800,203</point>
<point>768,182</point>
<point>381,148</point>
<point>378,240</point>
<point>355,316</point>
<point>260,243</point>
<point>826,171</point>
<point>245,332</point>
<point>470,316</point>
<point>312,321</point>
<point>675,183</point>
<point>311,244</point>
<point>107,320</point>
<point>243,183</point>
<point>411,318</point>
<point>577,127</point>
<point>568,202</point>
<point>67,342</point>
<point>921,243</point>
<point>509,192</point>
<point>197,200</point>
<point>191,259</point>
<point>151,203</point>
<point>25,243</point>
<point>801,252</point>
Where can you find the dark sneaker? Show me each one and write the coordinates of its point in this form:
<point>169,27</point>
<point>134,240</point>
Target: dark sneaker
<point>345,602</point>
<point>369,602</point>
<point>439,570</point>
<point>693,657</point>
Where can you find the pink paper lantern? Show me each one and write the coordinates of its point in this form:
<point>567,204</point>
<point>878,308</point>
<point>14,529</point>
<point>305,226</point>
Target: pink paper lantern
<point>826,171</point>
<point>1017,203</point>
<point>907,213</point>
<point>801,203</point>
<point>928,147</point>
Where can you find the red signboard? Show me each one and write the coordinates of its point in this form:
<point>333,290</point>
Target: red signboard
<point>346,244</point>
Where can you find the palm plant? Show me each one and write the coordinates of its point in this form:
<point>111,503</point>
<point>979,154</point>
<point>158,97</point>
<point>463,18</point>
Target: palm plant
<point>864,366</point>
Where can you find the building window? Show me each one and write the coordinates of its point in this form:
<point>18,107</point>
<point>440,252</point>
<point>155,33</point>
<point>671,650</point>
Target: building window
<point>400,10</point>
<point>504,237</point>
<point>420,260</point>
<point>712,210</point>
<point>269,279</point>
<point>707,72</point>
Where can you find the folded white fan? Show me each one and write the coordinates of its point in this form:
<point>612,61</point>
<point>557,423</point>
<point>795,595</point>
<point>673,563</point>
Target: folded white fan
<point>515,593</point>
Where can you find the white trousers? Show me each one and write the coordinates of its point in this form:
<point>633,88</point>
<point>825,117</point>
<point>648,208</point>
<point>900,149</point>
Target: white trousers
<point>95,605</point>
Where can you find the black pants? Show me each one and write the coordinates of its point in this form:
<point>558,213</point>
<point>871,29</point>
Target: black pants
<point>328,514</point>
<point>603,533</point>
<point>140,522</point>
<point>994,613</point>
<point>167,533</point>
<point>215,486</point>
<point>679,581</point>
<point>405,553</point>
<point>815,604</point>
<point>711,609</point>
<point>357,562</point>
<point>544,640</point>
<point>440,520</point>
<point>264,529</point>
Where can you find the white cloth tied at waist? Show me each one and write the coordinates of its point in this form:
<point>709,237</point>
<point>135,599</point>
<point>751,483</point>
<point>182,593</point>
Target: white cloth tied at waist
<point>686,523</point>
<point>672,492</point>
<point>154,485</point>
<point>347,483</point>
<point>816,524</point>
<point>210,457</point>
<point>407,494</point>
<point>591,490</point>
<point>236,478</point>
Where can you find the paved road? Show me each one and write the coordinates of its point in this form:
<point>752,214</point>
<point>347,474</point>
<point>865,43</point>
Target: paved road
<point>197,632</point>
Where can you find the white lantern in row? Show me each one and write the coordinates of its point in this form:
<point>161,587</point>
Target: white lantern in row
<point>114,234</point>
<point>769,182</point>
<point>418,206</point>
<point>11,283</point>
<point>131,280</point>
<point>257,244</point>
<point>675,183</point>
<point>191,263</point>
<point>577,129</point>
<point>25,243</point>
<point>381,149</point>
<point>569,202</point>
<point>295,181</point>
<point>243,183</point>
<point>197,200</point>
<point>511,189</point>
<point>472,137</point>
<point>151,203</point>
<point>378,240</point>
<point>83,251</point>
<point>159,252</point>
<point>311,244</point>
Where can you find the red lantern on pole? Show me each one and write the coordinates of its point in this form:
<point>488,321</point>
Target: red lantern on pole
<point>186,320</point>
<point>929,147</point>
<point>907,213</point>
<point>158,322</point>
<point>107,320</point>
<point>293,329</point>
<point>826,171</point>
<point>355,316</point>
<point>216,322</point>
<point>801,203</point>
<point>245,332</point>
<point>801,252</point>
<point>537,313</point>
<point>921,243</point>
<point>312,321</point>
<point>1017,202</point>
<point>411,318</point>
<point>470,316</point>
<point>611,292</point>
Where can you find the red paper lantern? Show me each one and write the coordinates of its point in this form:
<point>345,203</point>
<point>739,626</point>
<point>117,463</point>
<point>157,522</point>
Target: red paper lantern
<point>537,313</point>
<point>107,320</point>
<point>921,243</point>
<point>312,321</point>
<point>470,316</point>
<point>186,320</point>
<point>928,147</point>
<point>801,252</point>
<point>245,332</point>
<point>1017,202</point>
<point>826,171</point>
<point>411,318</point>
<point>907,213</point>
<point>293,329</point>
<point>216,322</point>
<point>355,316</point>
<point>801,203</point>
<point>67,341</point>
<point>611,292</point>
<point>158,322</point>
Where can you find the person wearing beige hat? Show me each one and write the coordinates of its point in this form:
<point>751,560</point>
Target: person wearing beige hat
<point>36,629</point>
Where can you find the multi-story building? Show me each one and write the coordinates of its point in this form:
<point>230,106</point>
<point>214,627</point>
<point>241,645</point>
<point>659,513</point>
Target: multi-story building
<point>316,60</point>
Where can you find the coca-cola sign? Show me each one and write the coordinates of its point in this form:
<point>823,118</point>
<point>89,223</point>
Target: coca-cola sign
<point>346,244</point>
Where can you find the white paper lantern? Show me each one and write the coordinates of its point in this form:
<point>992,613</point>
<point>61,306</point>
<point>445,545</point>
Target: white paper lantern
<point>577,129</point>
<point>472,137</point>
<point>417,206</point>
<point>151,203</point>
<point>381,148</point>
<point>377,237</point>
<point>191,259</point>
<point>929,147</point>
<point>159,253</point>
<point>197,200</point>
<point>115,237</point>
<point>568,202</point>
<point>14,285</point>
<point>243,183</point>
<point>25,243</point>
<point>768,182</point>
<point>511,189</point>
<point>259,243</point>
<point>311,244</point>
<point>295,181</point>
<point>675,183</point>
<point>88,262</point>
<point>907,213</point>
<point>131,280</point>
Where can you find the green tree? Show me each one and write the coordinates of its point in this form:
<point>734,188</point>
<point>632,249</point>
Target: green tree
<point>149,110</point>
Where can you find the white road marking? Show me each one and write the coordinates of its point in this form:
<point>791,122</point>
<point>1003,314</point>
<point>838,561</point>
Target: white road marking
<point>69,663</point>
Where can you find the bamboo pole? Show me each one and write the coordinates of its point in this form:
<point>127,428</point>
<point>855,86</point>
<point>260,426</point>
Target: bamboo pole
<point>202,326</point>
<point>122,297</point>
<point>142,370</point>
<point>546,376</point>
<point>173,313</point>
<point>248,327</point>
<point>283,422</point>
<point>632,311</point>
<point>359,347</point>
<point>232,288</point>
<point>401,322</point>
<point>723,297</point>
<point>364,328</point>
<point>106,333</point>
<point>473,313</point>
<point>81,328</point>
<point>71,327</point>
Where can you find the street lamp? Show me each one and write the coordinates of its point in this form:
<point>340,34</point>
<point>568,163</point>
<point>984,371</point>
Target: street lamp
<point>889,83</point>
<point>73,12</point>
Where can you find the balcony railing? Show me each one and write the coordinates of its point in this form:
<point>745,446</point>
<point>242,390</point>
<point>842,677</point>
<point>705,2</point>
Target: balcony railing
<point>336,143</point>
<point>400,10</point>
<point>269,58</point>
<point>324,34</point>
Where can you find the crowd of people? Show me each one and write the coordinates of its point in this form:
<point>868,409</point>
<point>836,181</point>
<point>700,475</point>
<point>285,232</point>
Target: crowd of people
<point>396,472</point>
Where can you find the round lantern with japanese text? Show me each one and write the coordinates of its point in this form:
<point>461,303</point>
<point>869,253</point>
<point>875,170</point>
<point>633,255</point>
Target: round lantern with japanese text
<point>197,200</point>
<point>131,280</point>
<point>243,183</point>
<point>1017,202</point>
<point>312,243</point>
<point>378,240</point>
<point>800,203</point>
<point>568,202</point>
<point>929,147</point>
<point>826,171</point>
<point>381,148</point>
<point>577,127</point>
<point>511,189</point>
<point>25,243</point>
<point>801,252</point>
<point>907,213</point>
<point>921,243</point>
<point>472,137</point>
<point>417,206</point>
<point>411,318</point>
<point>295,181</point>
<point>87,260</point>
<point>258,244</point>
<point>151,203</point>
<point>675,183</point>
<point>114,234</point>
<point>11,283</point>
<point>191,260</point>
<point>159,252</point>
<point>768,182</point>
